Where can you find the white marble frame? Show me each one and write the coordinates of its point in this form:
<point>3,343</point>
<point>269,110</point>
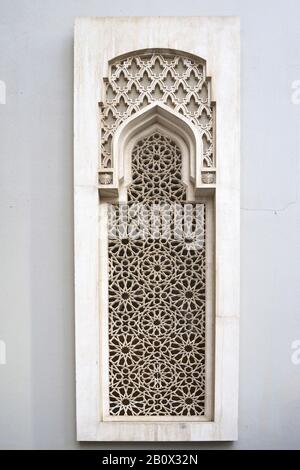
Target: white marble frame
<point>97,40</point>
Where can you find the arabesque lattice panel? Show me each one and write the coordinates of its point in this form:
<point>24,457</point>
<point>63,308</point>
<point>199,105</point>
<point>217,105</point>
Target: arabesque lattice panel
<point>157,295</point>
<point>140,79</point>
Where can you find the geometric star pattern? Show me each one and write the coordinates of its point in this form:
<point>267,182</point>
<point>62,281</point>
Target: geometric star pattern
<point>156,299</point>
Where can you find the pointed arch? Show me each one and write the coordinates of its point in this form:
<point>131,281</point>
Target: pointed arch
<point>157,116</point>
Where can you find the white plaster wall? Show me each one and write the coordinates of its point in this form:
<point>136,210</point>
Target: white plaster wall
<point>37,390</point>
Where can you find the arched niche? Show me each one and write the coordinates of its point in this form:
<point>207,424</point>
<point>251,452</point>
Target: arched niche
<point>178,130</point>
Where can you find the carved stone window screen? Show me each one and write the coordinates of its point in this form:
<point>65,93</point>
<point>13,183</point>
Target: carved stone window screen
<point>172,106</point>
<point>130,337</point>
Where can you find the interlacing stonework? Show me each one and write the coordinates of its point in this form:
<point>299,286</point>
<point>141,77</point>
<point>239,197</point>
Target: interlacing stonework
<point>175,80</point>
<point>157,297</point>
